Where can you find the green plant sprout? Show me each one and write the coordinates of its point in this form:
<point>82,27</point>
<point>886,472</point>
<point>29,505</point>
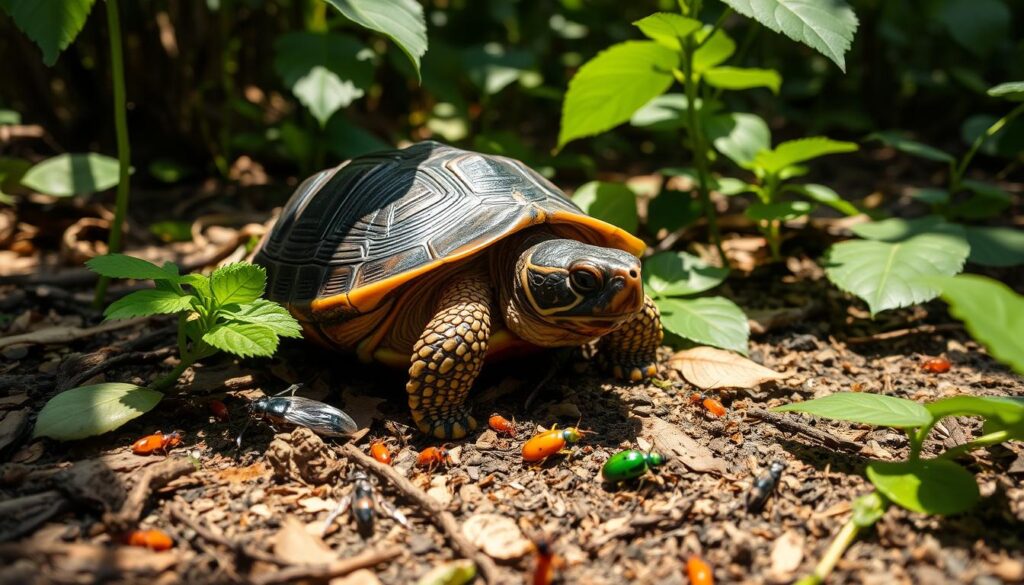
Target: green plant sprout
<point>220,312</point>
<point>930,486</point>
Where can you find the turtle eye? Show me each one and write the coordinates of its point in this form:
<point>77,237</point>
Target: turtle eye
<point>585,279</point>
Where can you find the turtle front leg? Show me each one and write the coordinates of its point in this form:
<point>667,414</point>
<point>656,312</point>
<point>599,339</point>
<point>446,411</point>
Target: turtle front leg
<point>447,358</point>
<point>630,351</point>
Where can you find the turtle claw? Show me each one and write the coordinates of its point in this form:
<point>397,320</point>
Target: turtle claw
<point>453,426</point>
<point>635,372</point>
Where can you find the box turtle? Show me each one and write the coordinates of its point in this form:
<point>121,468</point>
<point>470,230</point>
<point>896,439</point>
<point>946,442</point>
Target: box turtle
<point>435,259</point>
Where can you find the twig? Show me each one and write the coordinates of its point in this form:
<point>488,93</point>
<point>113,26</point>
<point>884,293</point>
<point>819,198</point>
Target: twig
<point>153,478</point>
<point>53,335</point>
<point>330,570</point>
<point>106,364</point>
<point>178,513</point>
<point>792,425</point>
<point>897,333</point>
<point>441,517</point>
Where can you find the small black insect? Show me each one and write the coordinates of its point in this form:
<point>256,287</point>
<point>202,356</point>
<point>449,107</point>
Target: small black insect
<point>764,486</point>
<point>323,419</point>
<point>364,503</point>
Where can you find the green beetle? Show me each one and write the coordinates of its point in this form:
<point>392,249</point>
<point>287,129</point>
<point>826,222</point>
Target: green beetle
<point>630,464</point>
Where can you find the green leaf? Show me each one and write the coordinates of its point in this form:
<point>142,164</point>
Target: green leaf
<point>325,71</point>
<point>614,203</point>
<point>9,117</point>
<point>738,136</point>
<point>346,140</point>
<point>731,186</point>
<point>51,24</point>
<point>610,87</point>
<point>266,313</point>
<point>743,78</point>
<point>493,67</point>
<point>888,275</point>
<point>237,283</point>
<point>988,201</point>
<point>714,51</point>
<point>172,231</point>
<point>93,410</point>
<point>980,26</point>
<point>713,321</point>
<point>668,28</point>
<point>676,274</point>
<point>401,21</point>
<point>868,508</point>
<point>11,172</point>
<point>142,303</point>
<point>931,486</point>
<point>897,229</point>
<point>781,211</point>
<point>912,147</point>
<point>862,407</point>
<point>122,266</point>
<point>665,112</point>
<point>931,196</point>
<point>66,175</point>
<point>671,210</point>
<point>826,27</point>
<point>1008,412</point>
<point>992,313</point>
<point>1011,90</point>
<point>995,246</point>
<point>242,339</point>
<point>792,152</point>
<point>200,283</point>
<point>825,196</point>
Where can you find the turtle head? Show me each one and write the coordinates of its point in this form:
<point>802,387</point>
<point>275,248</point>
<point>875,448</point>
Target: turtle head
<point>568,286</point>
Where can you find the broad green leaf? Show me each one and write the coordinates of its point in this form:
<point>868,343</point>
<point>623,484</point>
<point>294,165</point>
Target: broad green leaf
<point>676,274</point>
<point>992,313</point>
<point>671,210</point>
<point>927,486</point>
<point>896,229</point>
<point>931,196</point>
<point>988,201</point>
<point>51,24</point>
<point>614,203</point>
<point>738,136</point>
<point>668,28</point>
<point>664,112</point>
<point>148,302</point>
<point>797,151</point>
<point>743,78</point>
<point>122,266</point>
<point>713,52</point>
<point>862,407</point>
<point>400,20</point>
<point>825,196</point>
<point>66,175</point>
<point>826,27</point>
<point>732,186</point>
<point>93,410</point>
<point>888,275</point>
<point>1007,411</point>
<point>325,71</point>
<point>243,339</point>
<point>912,147</point>
<point>781,211</point>
<point>715,321</point>
<point>610,87</point>
<point>200,283</point>
<point>11,171</point>
<point>980,26</point>
<point>868,508</point>
<point>266,313</point>
<point>237,283</point>
<point>995,246</point>
<point>1011,90</point>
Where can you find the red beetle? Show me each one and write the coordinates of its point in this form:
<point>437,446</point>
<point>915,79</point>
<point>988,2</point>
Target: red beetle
<point>713,406</point>
<point>431,457</point>
<point>219,410</point>
<point>502,425</point>
<point>380,452</point>
<point>157,442</point>
<point>937,365</point>
<point>151,539</point>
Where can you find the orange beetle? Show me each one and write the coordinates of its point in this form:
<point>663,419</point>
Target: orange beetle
<point>712,405</point>
<point>219,410</point>
<point>502,425</point>
<point>151,539</point>
<point>544,570</point>
<point>548,443</point>
<point>431,457</point>
<point>936,365</point>
<point>157,442</point>
<point>699,571</point>
<point>380,452</point>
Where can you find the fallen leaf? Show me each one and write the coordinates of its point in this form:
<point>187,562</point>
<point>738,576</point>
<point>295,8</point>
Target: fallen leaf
<point>451,573</point>
<point>787,554</point>
<point>498,536</point>
<point>294,544</point>
<point>670,440</point>
<point>360,577</point>
<point>709,368</point>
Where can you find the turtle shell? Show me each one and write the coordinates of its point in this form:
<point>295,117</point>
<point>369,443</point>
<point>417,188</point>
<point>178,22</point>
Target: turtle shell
<point>351,234</point>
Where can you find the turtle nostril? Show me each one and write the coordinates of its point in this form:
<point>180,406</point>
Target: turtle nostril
<point>632,273</point>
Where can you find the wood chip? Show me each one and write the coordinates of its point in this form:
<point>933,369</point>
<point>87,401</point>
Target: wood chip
<point>670,440</point>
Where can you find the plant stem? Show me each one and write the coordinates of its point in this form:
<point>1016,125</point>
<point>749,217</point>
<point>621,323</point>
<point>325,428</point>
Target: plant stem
<point>172,376</point>
<point>958,172</point>
<point>982,441</point>
<point>775,239</point>
<point>835,551</point>
<point>123,148</point>
<point>714,29</point>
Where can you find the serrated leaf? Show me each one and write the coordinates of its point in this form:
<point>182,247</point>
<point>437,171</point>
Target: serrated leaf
<point>200,283</point>
<point>610,87</point>
<point>122,266</point>
<point>862,407</point>
<point>269,314</point>
<point>401,21</point>
<point>668,28</point>
<point>888,275</point>
<point>93,410</point>
<point>896,229</point>
<point>676,274</point>
<point>142,303</point>
<point>325,71</point>
<point>237,283</point>
<point>739,136</point>
<point>713,52</point>
<point>912,147</point>
<point>995,246</point>
<point>825,196</point>
<point>243,339</point>
<point>614,203</point>
<point>709,368</point>
<point>1011,90</point>
<point>931,486</point>
<point>743,78</point>
<point>51,24</point>
<point>797,151</point>
<point>66,175</point>
<point>713,321</point>
<point>827,27</point>
<point>781,211</point>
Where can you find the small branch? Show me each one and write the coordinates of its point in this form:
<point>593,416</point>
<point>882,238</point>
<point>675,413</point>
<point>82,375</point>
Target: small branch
<point>178,513</point>
<point>897,333</point>
<point>793,425</point>
<point>363,560</point>
<point>155,477</point>
<point>441,517</point>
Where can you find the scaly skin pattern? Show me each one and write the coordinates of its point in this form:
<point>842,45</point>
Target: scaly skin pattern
<point>630,352</point>
<point>447,358</point>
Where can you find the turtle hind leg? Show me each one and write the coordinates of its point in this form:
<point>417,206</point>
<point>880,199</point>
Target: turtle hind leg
<point>447,358</point>
<point>630,352</point>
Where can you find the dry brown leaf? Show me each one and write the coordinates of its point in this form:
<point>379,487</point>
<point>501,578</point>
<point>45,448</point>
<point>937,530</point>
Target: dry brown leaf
<point>709,368</point>
<point>294,544</point>
<point>787,554</point>
<point>672,441</point>
<point>498,536</point>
